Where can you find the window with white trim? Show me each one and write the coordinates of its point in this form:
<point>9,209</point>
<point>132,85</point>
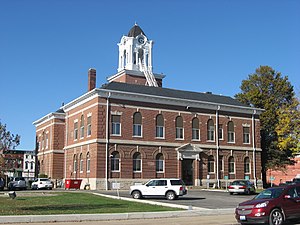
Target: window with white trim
<point>195,129</point>
<point>137,124</point>
<point>210,130</point>
<point>115,162</point>
<point>116,125</point>
<point>231,165</point>
<point>82,127</point>
<point>246,135</point>
<point>231,134</point>
<point>80,163</point>
<point>247,165</point>
<point>160,163</point>
<point>160,128</point>
<point>88,162</point>
<point>211,164</point>
<point>89,126</point>
<point>179,127</point>
<point>75,130</point>
<point>137,162</point>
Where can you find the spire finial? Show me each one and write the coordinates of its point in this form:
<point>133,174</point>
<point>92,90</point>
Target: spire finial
<point>135,23</point>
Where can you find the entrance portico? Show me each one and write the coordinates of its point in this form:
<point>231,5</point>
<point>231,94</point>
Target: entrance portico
<point>189,155</point>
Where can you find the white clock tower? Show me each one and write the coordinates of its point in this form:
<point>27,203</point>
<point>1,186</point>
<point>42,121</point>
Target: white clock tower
<point>135,59</point>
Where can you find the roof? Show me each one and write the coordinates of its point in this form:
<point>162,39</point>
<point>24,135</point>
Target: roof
<point>172,93</point>
<point>135,31</point>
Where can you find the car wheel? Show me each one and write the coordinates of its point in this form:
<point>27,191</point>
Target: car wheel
<point>276,217</point>
<point>136,194</point>
<point>231,193</point>
<point>170,195</point>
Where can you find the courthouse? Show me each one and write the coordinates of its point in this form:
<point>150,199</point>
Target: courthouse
<point>132,129</point>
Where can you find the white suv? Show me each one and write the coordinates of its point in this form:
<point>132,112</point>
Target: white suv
<point>42,183</point>
<point>168,188</point>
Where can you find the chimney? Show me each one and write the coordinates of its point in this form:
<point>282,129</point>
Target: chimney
<point>91,79</point>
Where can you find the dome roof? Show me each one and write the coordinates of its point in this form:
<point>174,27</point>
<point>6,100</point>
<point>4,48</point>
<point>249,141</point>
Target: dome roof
<point>135,31</point>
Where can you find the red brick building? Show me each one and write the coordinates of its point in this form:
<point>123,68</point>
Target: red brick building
<point>133,129</point>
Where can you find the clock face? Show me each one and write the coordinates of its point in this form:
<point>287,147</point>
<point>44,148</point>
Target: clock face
<point>141,40</point>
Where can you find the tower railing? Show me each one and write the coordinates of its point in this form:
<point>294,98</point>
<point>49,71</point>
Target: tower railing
<point>148,74</point>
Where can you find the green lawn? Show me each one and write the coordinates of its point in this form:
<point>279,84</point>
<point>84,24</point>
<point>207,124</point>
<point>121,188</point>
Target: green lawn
<point>71,203</point>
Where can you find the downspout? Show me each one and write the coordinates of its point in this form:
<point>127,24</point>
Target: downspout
<point>217,144</point>
<point>107,141</point>
<point>65,144</point>
<point>254,149</point>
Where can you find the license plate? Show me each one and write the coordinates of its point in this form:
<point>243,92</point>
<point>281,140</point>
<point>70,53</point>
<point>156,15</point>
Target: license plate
<point>242,217</point>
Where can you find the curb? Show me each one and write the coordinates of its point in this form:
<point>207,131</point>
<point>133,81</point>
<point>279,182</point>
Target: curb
<point>117,216</point>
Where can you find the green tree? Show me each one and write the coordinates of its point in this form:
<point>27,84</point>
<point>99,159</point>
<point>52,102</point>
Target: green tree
<point>271,91</point>
<point>8,141</point>
<point>288,127</point>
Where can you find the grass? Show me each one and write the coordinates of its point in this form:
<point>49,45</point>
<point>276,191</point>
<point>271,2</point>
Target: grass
<point>71,203</point>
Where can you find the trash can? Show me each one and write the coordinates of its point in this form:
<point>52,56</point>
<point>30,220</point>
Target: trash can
<point>72,183</point>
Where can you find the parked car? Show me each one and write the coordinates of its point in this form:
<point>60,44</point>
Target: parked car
<point>168,188</point>
<point>272,206</point>
<point>242,187</point>
<point>296,180</point>
<point>42,183</point>
<point>17,183</point>
<point>2,184</point>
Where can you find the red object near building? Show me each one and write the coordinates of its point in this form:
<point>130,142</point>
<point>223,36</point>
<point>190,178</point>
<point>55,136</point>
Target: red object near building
<point>72,183</point>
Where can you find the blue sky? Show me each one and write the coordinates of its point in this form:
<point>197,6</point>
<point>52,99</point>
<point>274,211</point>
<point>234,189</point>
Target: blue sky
<point>47,47</point>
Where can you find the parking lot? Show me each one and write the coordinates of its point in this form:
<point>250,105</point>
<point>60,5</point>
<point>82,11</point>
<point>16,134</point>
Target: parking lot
<point>211,199</point>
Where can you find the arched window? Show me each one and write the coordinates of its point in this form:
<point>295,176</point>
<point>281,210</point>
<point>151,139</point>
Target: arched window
<point>160,162</point>
<point>75,130</point>
<point>31,165</point>
<point>137,162</point>
<point>179,127</point>
<point>75,163</point>
<point>88,162</point>
<point>195,129</point>
<point>137,124</point>
<point>231,165</point>
<point>124,58</point>
<point>82,127</point>
<point>89,125</point>
<point>160,126</point>
<point>210,130</point>
<point>115,161</point>
<point>211,164</point>
<point>80,163</point>
<point>230,131</point>
<point>26,165</point>
<point>141,55</point>
<point>247,165</point>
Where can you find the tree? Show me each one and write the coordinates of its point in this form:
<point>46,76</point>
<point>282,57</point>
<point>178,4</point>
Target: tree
<point>273,92</point>
<point>8,141</point>
<point>288,127</point>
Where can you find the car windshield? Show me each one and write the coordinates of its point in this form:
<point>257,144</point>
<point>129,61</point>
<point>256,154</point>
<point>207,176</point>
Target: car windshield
<point>270,193</point>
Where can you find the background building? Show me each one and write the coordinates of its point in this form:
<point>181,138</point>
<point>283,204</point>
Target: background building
<point>133,129</point>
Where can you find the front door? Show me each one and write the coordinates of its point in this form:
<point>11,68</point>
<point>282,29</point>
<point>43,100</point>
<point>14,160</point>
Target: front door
<point>187,171</point>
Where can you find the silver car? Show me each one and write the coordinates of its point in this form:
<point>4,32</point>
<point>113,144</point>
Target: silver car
<point>241,187</point>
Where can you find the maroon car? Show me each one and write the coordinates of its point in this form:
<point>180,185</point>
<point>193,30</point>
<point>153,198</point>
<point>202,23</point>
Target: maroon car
<point>272,206</point>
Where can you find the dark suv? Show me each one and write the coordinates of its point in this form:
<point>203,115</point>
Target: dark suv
<point>271,206</point>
